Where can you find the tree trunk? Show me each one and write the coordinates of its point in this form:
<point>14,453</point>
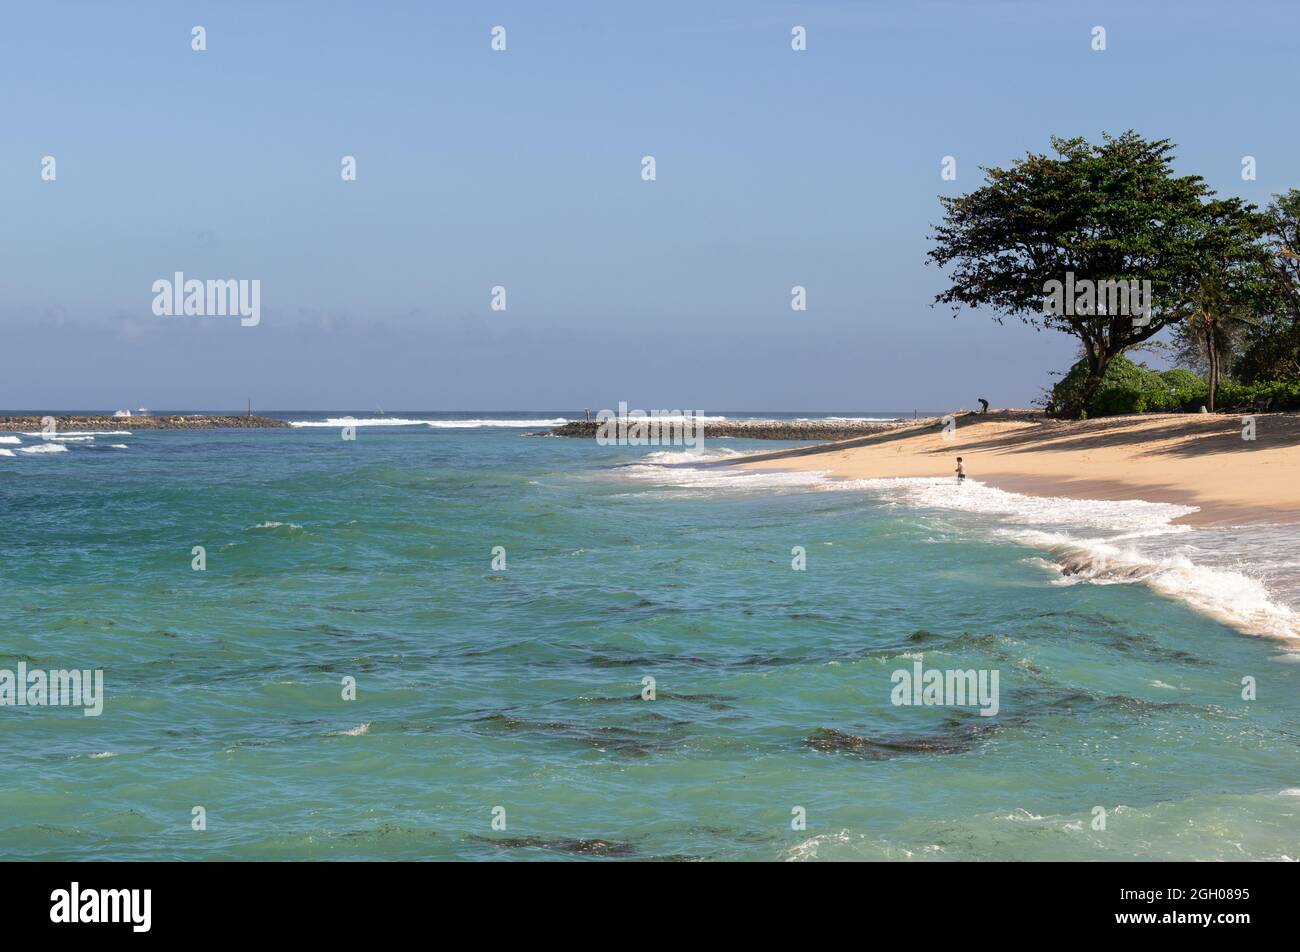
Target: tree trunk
<point>1097,364</point>
<point>1212,355</point>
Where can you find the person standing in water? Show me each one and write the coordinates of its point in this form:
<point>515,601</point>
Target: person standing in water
<point>961,471</point>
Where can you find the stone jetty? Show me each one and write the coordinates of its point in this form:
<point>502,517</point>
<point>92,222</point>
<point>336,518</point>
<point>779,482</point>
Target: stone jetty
<point>192,421</point>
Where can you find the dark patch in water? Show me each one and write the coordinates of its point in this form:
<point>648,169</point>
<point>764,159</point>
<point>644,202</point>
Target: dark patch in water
<point>604,661</point>
<point>1143,706</point>
<point>753,661</point>
<point>384,829</point>
<point>963,738</point>
<point>1074,701</point>
<point>644,603</point>
<point>1130,643</point>
<point>327,629</point>
<point>674,858</point>
<point>923,637</point>
<point>624,740</point>
<point>571,847</point>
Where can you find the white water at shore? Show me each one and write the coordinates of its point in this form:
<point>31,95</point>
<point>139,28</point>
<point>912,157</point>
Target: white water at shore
<point>1247,577</point>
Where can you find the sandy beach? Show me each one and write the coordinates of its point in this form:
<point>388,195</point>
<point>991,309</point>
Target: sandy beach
<point>1189,459</point>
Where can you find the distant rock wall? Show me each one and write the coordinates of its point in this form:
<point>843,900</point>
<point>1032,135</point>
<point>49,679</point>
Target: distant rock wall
<point>32,424</point>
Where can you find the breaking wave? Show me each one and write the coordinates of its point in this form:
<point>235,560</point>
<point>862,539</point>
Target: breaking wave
<point>1238,577</point>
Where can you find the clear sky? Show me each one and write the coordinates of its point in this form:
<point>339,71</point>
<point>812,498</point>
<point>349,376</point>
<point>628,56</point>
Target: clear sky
<point>522,169</point>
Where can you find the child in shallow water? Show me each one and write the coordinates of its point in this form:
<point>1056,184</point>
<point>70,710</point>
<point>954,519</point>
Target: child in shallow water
<point>961,471</point>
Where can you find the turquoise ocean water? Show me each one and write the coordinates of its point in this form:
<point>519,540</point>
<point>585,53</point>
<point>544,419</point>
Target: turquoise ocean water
<point>1121,642</point>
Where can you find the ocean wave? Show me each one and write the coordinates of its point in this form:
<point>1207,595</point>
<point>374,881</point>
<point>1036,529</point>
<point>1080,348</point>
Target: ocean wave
<point>671,473</point>
<point>44,448</point>
<point>973,496</point>
<point>1139,536</point>
<point>4,452</point>
<point>472,424</point>
<point>9,439</point>
<point>289,526</point>
<point>337,422</point>
<point>1226,595</point>
<point>677,457</point>
<point>359,731</point>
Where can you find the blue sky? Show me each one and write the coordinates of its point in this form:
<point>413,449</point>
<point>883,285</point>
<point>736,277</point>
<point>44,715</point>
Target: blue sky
<point>477,168</point>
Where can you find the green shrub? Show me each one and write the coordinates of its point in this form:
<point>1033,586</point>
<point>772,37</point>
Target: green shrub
<point>1182,379</point>
<point>1261,394</point>
<point>1130,388</point>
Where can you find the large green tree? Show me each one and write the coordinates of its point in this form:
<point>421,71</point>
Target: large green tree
<point>1237,285</point>
<point>1108,212</point>
<point>1272,348</point>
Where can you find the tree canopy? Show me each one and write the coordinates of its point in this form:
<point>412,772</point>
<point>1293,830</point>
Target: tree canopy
<point>1099,213</point>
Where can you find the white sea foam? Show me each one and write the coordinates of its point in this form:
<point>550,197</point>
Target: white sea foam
<point>291,526</point>
<point>691,469</point>
<point>1229,595</point>
<point>671,473</point>
<point>473,424</point>
<point>1236,578</point>
<point>9,439</point>
<point>4,452</point>
<point>674,457</point>
<point>359,731</point>
<point>44,448</point>
<point>337,422</point>
<point>972,496</point>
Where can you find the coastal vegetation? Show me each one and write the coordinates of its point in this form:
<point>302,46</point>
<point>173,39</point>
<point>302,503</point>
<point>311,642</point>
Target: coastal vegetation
<point>1135,388</point>
<point>1157,262</point>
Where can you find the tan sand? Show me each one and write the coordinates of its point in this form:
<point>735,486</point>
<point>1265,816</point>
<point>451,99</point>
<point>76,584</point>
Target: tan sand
<point>1190,459</point>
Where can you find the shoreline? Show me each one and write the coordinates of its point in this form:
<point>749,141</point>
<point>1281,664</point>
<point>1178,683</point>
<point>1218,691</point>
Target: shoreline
<point>32,424</point>
<point>1196,460</point>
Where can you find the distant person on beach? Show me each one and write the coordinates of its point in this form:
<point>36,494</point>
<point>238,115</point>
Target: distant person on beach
<point>984,405</point>
<point>588,412</point>
<point>961,470</point>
